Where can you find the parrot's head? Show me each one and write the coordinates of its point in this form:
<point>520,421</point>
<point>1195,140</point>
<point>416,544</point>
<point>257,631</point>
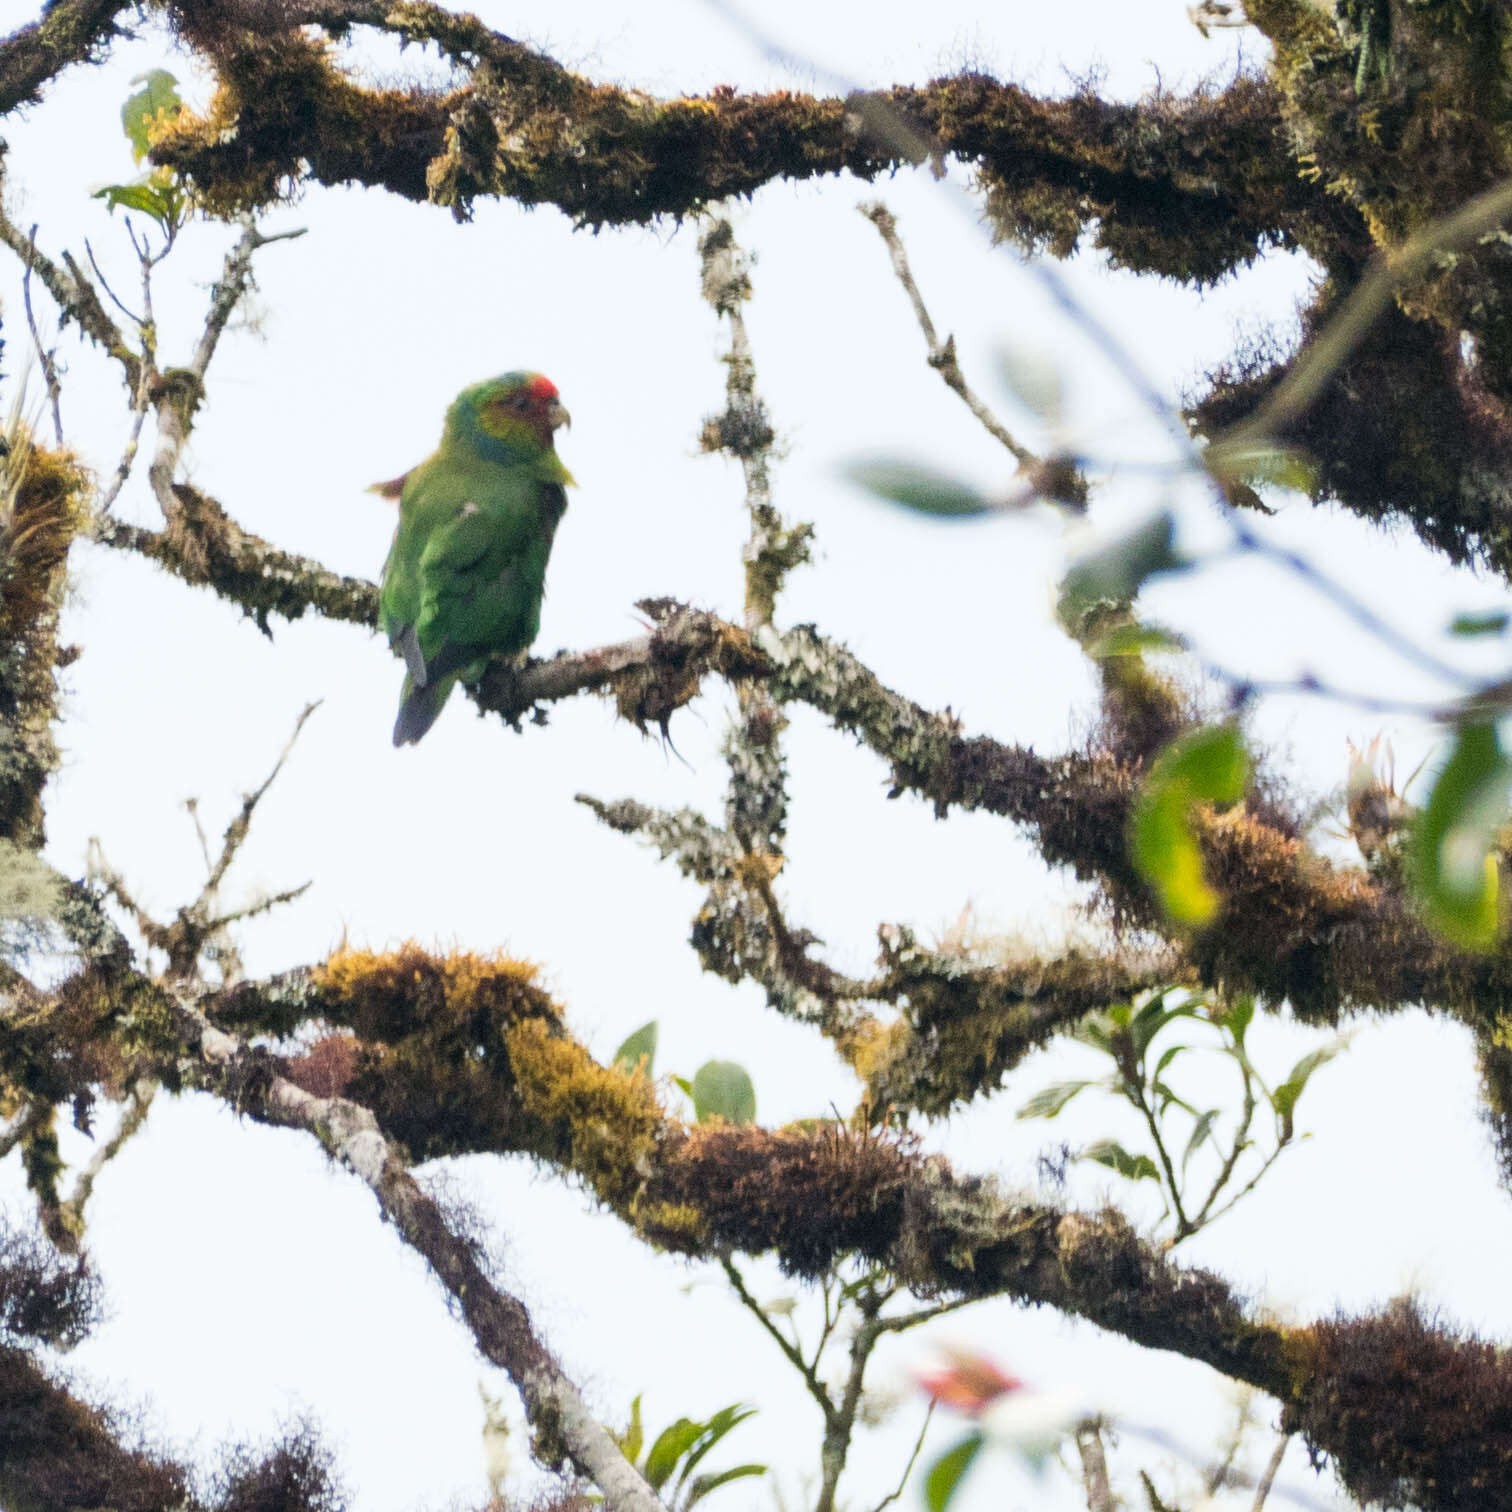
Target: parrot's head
<point>508,419</point>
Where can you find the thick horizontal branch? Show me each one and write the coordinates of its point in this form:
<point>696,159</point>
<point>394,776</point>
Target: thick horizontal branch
<point>819,1194</point>
<point>1187,187</point>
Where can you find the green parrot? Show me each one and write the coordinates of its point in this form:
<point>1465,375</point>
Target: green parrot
<point>465,574</point>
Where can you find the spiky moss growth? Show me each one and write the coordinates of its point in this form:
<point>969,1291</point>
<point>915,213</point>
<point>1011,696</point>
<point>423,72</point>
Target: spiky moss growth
<point>1494,1056</point>
<point>1411,1411</point>
<point>1405,431</point>
<point>1190,188</point>
<point>60,1452</point>
<point>808,1195</point>
<point>1429,129</point>
<point>43,506</point>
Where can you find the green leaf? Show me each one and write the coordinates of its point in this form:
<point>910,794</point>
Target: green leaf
<point>1048,1101</point>
<point>1033,382</point>
<point>1119,569</point>
<point>1284,1098</point>
<point>157,99</point>
<point>1205,766</point>
<point>1133,640</point>
<point>920,488</point>
<point>1237,1017</point>
<point>1261,463</point>
<point>1096,1030</point>
<point>1452,865</point>
<point>723,1089</point>
<point>632,1439</point>
<point>714,1430</point>
<point>639,1050</point>
<point>1493,622</point>
<point>1110,1153</point>
<point>1200,1131</point>
<point>671,1444</point>
<point>1167,1056</point>
<point>704,1484</point>
<point>945,1474</point>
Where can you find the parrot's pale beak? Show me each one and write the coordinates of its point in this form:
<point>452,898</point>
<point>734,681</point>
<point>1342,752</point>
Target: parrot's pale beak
<point>556,414</point>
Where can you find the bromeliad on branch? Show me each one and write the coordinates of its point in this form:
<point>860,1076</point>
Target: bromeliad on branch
<point>465,574</point>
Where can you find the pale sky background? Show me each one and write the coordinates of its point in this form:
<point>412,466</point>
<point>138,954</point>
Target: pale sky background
<point>286,1293</point>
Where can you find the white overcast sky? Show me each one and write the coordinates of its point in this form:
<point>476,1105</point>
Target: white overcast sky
<point>287,1294</point>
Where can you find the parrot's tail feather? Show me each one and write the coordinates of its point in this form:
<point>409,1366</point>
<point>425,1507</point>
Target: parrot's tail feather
<point>420,708</point>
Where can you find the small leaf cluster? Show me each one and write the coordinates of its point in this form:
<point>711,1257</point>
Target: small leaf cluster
<point>1140,1039</point>
<point>679,1449</point>
<point>719,1088</point>
<point>158,193</point>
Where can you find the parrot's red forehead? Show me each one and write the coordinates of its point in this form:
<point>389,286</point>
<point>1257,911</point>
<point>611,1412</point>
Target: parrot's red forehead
<point>541,388</point>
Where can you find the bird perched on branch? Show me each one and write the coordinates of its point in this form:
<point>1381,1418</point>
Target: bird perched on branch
<point>465,574</point>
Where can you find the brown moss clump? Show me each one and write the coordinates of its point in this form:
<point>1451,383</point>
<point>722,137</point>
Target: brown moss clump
<point>808,1195</point>
<point>1410,1411</point>
<point>43,506</point>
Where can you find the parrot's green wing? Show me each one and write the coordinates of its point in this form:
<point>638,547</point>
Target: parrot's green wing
<point>467,575</point>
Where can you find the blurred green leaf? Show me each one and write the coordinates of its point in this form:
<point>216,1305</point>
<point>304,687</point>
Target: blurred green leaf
<point>1168,1055</point>
<point>1205,766</point>
<point>1452,865</point>
<point>1048,1101</point>
<point>920,488</point>
<point>1284,1098</point>
<point>683,1085</point>
<point>1491,623</point>
<point>671,1444</point>
<point>714,1430</point>
<point>1200,1131</point>
<point>1096,1030</point>
<point>1237,1017</point>
<point>1133,640</point>
<point>1110,1153</point>
<point>1033,382</point>
<point>634,1437</point>
<point>704,1484</point>
<point>1118,570</point>
<point>945,1474</point>
<point>157,99</point>
<point>723,1089</point>
<point>1252,464</point>
<point>639,1049</point>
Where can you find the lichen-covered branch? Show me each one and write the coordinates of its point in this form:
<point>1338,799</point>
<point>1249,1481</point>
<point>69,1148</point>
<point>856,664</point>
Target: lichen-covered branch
<point>204,546</point>
<point>70,31</point>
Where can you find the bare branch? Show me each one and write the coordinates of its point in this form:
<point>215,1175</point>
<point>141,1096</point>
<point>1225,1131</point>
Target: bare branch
<point>942,354</point>
<point>809,1372</point>
<point>1094,1462</point>
<point>913,1459</point>
<point>1268,1475</point>
<point>45,356</point>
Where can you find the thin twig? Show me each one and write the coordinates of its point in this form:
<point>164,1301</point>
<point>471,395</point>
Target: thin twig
<point>44,356</point>
<point>133,1115</point>
<point>236,831</point>
<point>1094,1462</point>
<point>913,1459</point>
<point>942,354</point>
<point>131,315</point>
<point>1268,1475</point>
<point>816,1387</point>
